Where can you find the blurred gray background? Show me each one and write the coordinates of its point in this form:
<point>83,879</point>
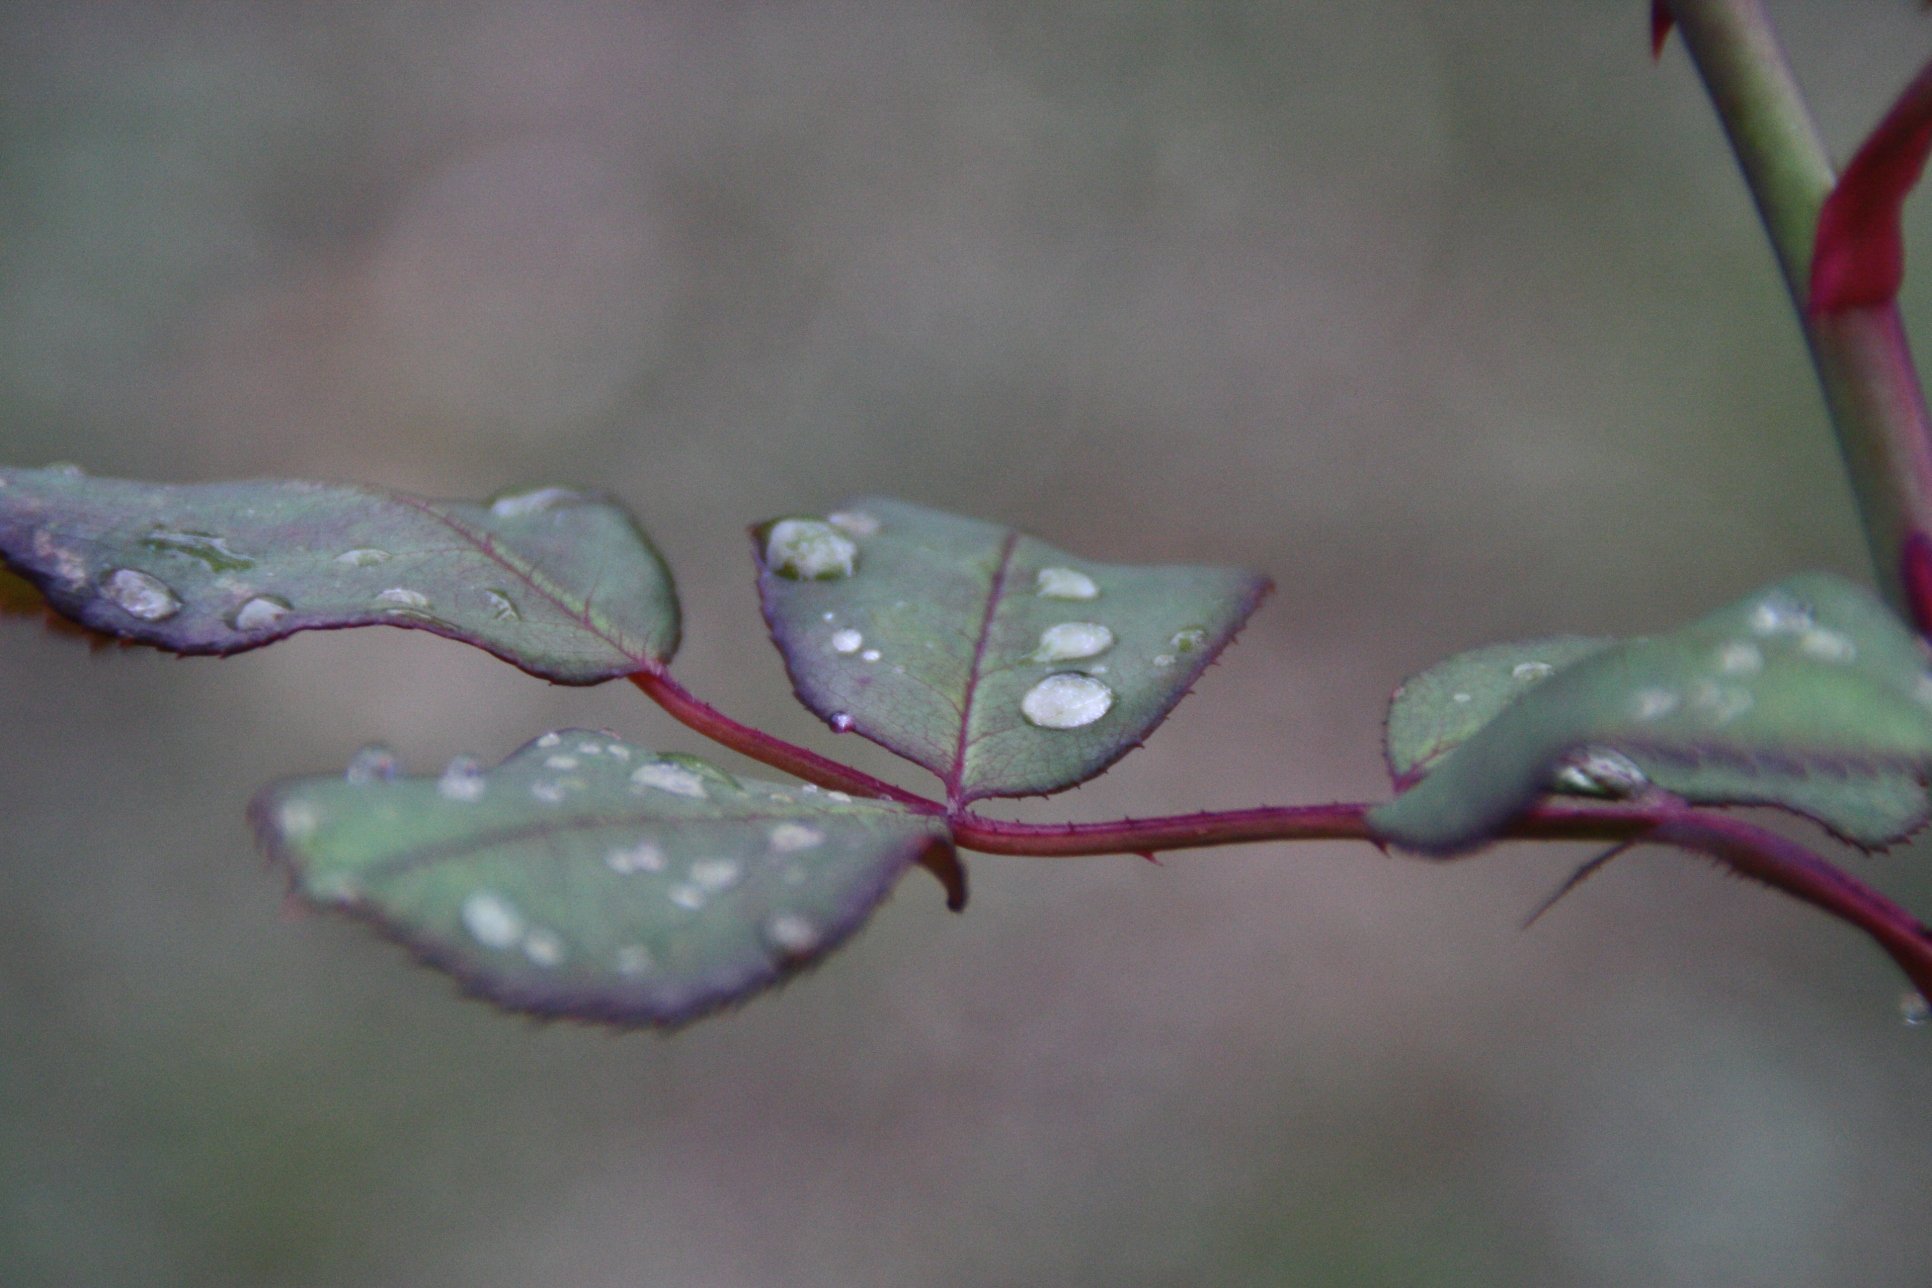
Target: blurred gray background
<point>1453,317</point>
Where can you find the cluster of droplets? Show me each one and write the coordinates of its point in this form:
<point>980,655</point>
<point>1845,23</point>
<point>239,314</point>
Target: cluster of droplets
<point>1068,699</point>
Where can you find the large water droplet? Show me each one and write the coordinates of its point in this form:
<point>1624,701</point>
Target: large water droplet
<point>856,522</point>
<point>528,501</point>
<point>374,763</point>
<point>809,550</point>
<point>791,934</point>
<point>1070,640</point>
<point>210,549</point>
<point>628,859</point>
<point>846,641</point>
<point>668,777</point>
<point>400,597</point>
<point>261,613</point>
<point>502,607</point>
<point>788,837</point>
<point>492,920</point>
<point>1067,700</point>
<point>462,780</point>
<point>139,595</point>
<point>1064,583</point>
<point>365,557</point>
<point>1597,771</point>
<point>1528,672</point>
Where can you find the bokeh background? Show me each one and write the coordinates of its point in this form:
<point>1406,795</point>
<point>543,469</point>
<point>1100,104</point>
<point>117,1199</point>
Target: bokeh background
<point>1453,317</point>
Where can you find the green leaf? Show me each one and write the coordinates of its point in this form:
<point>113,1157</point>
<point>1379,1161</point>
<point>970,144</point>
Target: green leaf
<point>584,877</point>
<point>1809,695</point>
<point>560,583</point>
<point>1003,665</point>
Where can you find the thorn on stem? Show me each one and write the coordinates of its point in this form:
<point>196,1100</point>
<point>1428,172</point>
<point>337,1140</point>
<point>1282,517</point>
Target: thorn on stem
<point>1858,256</point>
<point>1576,879</point>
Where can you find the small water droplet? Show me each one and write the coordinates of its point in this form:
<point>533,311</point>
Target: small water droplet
<point>139,595</point>
<point>1597,771</point>
<point>1064,583</point>
<point>543,947</point>
<point>809,550</point>
<point>1914,1010</point>
<point>1462,697</point>
<point>261,613</point>
<point>560,762</point>
<point>66,470</point>
<point>403,598</point>
<point>788,837</point>
<point>618,749</point>
<point>206,547</point>
<point>840,797</point>
<point>492,920</point>
<point>846,641</point>
<point>590,749</point>
<point>462,780</point>
<point>62,563</point>
<point>1188,638</point>
<point>634,959</point>
<point>297,820</point>
<point>1723,702</point>
<point>667,777</point>
<point>791,934</point>
<point>856,522</point>
<point>363,557</point>
<point>1827,646</point>
<point>688,897</point>
<point>1071,640</point>
<point>870,655</point>
<point>1066,700</point>
<point>1164,660</point>
<point>1740,657</point>
<point>550,791</point>
<point>1529,671</point>
<point>829,615</point>
<point>642,857</point>
<point>374,763</point>
<point>841,722</point>
<point>502,607</point>
<point>1652,704</point>
<point>550,740</point>
<point>715,874</point>
<point>1780,614</point>
<point>527,501</point>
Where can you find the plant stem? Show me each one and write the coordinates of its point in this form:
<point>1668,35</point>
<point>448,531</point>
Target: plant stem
<point>1863,361</point>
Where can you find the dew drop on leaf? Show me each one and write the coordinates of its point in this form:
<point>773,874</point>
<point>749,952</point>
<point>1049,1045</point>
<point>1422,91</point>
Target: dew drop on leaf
<point>871,655</point>
<point>1064,583</point>
<point>528,501</point>
<point>1070,640</point>
<point>841,722</point>
<point>364,557</point>
<point>502,607</point>
<point>667,777</point>
<point>462,780</point>
<point>787,838</point>
<point>491,920</point>
<point>1530,671</point>
<point>375,763</point>
<point>1187,639</point>
<point>543,947</point>
<point>1067,700</point>
<point>139,595</point>
<point>402,598</point>
<point>1740,657</point>
<point>260,613</point>
<point>628,859</point>
<point>846,641</point>
<point>791,934</point>
<point>856,522</point>
<point>1596,771</point>
<point>210,549</point>
<point>809,550</point>
<point>1914,1010</point>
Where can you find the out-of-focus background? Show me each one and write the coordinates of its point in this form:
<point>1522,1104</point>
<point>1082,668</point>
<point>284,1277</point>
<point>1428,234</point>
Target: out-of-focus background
<point>1454,317</point>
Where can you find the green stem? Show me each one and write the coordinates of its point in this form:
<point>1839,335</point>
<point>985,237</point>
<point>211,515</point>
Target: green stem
<point>1863,362</point>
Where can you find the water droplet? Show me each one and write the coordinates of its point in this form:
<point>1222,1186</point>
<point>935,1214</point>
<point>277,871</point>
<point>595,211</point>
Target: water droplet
<point>527,501</point>
<point>560,762</point>
<point>1597,771</point>
<point>618,749</point>
<point>1780,614</point>
<point>856,522</point>
<point>139,595</point>
<point>210,549</point>
<point>841,722</point>
<point>846,641</point>
<point>1164,660</point>
<point>462,780</point>
<point>1740,657</point>
<point>1067,700</point>
<point>550,791</point>
<point>543,947</point>
<point>550,740</point>
<point>61,563</point>
<point>715,874</point>
<point>590,749</point>
<point>502,607</point>
<point>66,470</point>
<point>1827,646</point>
<point>1462,697</point>
<point>374,763</point>
<point>1188,638</point>
<point>791,934</point>
<point>260,613</point>
<point>1064,583</point>
<point>667,777</point>
<point>809,550</point>
<point>688,897</point>
<point>1723,702</point>
<point>402,598</point>
<point>1652,704</point>
<point>829,615</point>
<point>870,655</point>
<point>840,797</point>
<point>1914,1010</point>
<point>634,959</point>
<point>364,557</point>
<point>1070,640</point>
<point>642,857</point>
<point>297,820</point>
<point>1531,671</point>
<point>491,919</point>
<point>788,837</point>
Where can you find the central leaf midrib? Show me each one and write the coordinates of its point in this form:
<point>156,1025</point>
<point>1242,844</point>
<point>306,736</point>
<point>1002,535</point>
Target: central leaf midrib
<point>956,773</point>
